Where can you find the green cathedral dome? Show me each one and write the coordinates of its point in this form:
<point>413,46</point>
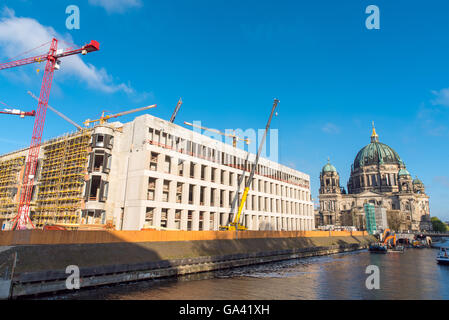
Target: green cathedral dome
<point>328,167</point>
<point>376,153</point>
<point>403,172</point>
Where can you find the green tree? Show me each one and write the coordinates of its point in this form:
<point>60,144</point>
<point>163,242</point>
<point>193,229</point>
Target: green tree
<point>438,225</point>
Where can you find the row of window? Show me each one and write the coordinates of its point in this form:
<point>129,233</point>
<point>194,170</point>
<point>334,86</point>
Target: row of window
<point>198,150</point>
<point>224,177</point>
<point>225,198</point>
<point>217,219</point>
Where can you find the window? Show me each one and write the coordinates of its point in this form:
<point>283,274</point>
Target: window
<point>153,161</point>
<point>151,188</point>
<point>94,186</point>
<point>93,217</point>
<point>165,191</point>
<point>164,215</point>
<point>149,216</point>
<point>99,141</point>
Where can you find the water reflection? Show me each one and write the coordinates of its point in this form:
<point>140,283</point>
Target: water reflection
<point>410,275</point>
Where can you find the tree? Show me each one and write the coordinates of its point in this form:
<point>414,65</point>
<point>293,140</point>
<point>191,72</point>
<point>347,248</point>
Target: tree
<point>438,225</point>
<point>394,219</point>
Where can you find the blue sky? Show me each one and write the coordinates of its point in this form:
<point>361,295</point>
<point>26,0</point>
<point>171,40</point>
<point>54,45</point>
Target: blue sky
<point>229,59</point>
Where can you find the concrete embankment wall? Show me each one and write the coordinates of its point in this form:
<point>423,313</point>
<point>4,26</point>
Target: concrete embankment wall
<point>113,257</point>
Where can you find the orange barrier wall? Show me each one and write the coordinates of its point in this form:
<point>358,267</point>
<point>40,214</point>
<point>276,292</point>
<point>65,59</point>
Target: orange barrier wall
<point>31,237</point>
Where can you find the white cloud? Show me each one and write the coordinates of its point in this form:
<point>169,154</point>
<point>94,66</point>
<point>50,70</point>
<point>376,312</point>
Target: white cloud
<point>441,97</point>
<point>19,34</point>
<point>116,6</point>
<point>330,128</point>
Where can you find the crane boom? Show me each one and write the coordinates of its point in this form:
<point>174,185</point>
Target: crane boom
<point>17,112</point>
<point>104,118</point>
<point>175,113</point>
<point>90,47</point>
<point>57,112</point>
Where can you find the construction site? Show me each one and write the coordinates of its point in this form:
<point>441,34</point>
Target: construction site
<point>145,174</point>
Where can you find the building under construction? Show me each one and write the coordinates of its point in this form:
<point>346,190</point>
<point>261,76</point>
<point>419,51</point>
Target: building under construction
<point>151,173</point>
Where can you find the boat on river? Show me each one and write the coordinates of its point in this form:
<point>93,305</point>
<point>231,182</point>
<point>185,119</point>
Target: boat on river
<point>378,248</point>
<point>443,256</point>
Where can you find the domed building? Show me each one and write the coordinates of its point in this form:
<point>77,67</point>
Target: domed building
<point>378,176</point>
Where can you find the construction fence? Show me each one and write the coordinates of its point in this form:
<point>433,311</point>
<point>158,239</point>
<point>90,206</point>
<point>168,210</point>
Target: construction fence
<point>34,237</point>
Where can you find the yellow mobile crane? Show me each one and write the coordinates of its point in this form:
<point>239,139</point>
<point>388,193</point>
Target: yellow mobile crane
<point>235,224</point>
<point>234,137</point>
<point>105,118</point>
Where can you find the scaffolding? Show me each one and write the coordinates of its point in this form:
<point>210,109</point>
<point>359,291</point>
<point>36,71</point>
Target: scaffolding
<point>60,189</point>
<point>9,185</point>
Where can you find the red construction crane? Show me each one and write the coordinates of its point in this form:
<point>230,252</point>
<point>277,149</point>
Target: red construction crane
<point>16,112</point>
<point>53,62</point>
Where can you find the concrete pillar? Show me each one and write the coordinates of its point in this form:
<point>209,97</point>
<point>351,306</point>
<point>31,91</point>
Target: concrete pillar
<point>172,192</point>
<point>216,201</point>
<point>185,193</point>
<point>171,219</point>
<point>256,222</point>
<point>157,217</point>
<point>226,199</point>
<point>207,196</point>
<point>186,169</point>
<point>184,214</point>
<point>197,172</point>
<point>173,165</point>
<point>158,189</point>
<point>206,222</point>
<point>226,177</point>
<point>195,220</point>
<point>160,162</point>
<point>216,220</point>
<point>196,195</point>
<point>208,173</point>
<point>218,176</point>
<point>249,222</point>
<point>249,202</point>
<point>255,184</point>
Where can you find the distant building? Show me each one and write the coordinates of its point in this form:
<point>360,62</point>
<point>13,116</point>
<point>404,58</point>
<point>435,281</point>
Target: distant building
<point>378,176</point>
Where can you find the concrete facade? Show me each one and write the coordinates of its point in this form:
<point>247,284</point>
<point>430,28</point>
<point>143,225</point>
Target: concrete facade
<point>166,176</point>
<point>150,173</point>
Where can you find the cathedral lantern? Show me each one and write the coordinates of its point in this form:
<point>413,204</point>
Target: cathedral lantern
<point>329,179</point>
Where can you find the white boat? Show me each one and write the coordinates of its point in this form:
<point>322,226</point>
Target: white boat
<point>443,256</point>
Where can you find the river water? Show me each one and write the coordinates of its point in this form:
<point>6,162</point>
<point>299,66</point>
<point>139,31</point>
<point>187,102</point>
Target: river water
<point>413,274</point>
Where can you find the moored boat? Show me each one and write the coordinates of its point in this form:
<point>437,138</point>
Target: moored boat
<point>443,256</point>
<point>378,248</point>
